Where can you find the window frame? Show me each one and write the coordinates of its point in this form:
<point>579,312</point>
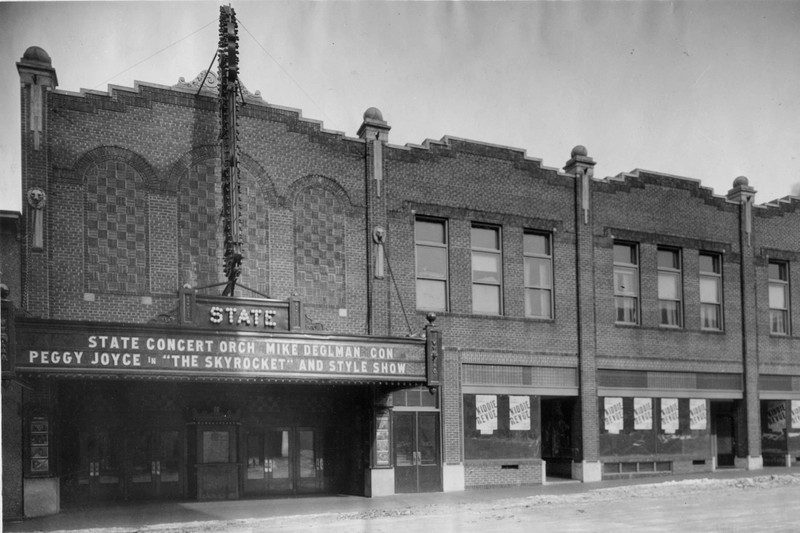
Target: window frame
<point>784,284</point>
<point>527,288</point>
<point>498,252</point>
<point>636,293</point>
<point>675,271</point>
<point>717,276</point>
<point>422,244</point>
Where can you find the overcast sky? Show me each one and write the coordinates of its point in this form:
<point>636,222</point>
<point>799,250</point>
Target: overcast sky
<point>706,90</point>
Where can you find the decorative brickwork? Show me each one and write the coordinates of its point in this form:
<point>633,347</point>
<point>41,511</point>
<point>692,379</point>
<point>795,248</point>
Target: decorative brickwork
<point>116,253</point>
<point>200,230</point>
<point>319,231</point>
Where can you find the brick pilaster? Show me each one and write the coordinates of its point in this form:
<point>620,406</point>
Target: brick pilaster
<point>581,167</point>
<point>744,195</point>
<point>375,133</point>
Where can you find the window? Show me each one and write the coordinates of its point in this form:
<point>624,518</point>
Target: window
<point>487,278</point>
<point>430,237</point>
<point>626,283</point>
<point>778,298</point>
<point>710,292</point>
<point>669,287</point>
<point>538,275</point>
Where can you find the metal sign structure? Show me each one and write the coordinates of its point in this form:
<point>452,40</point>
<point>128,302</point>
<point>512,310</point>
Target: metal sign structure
<point>229,132</point>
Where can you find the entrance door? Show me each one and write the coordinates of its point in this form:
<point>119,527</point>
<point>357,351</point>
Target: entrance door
<point>284,461</point>
<point>155,461</point>
<point>100,476</point>
<point>416,452</point>
<point>725,440</point>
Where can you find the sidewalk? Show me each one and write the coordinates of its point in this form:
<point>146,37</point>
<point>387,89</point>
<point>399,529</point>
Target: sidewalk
<point>139,515</point>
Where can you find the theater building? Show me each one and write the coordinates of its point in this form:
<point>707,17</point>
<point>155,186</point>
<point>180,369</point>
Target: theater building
<point>437,317</point>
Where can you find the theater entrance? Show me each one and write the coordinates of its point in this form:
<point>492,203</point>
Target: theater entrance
<point>287,460</point>
<point>155,463</point>
<point>416,451</point>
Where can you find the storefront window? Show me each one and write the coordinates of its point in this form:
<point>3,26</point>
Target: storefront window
<point>650,426</point>
<point>499,426</point>
<point>774,425</point>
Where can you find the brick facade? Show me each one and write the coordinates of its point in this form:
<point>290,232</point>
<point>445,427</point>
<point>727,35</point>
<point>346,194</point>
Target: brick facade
<point>133,215</point>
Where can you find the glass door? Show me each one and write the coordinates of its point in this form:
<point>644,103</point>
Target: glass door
<point>100,473</point>
<point>284,461</point>
<point>416,452</point>
<point>155,462</point>
<point>725,442</point>
<point>310,464</point>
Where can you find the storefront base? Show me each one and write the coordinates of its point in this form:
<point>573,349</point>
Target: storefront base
<point>499,473</point>
<point>588,472</point>
<point>380,482</point>
<point>42,497</point>
<point>453,478</point>
<point>750,462</point>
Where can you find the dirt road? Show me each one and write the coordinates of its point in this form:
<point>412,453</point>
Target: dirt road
<point>764,503</point>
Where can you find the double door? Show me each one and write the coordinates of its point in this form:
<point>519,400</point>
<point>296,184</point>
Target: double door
<point>100,466</point>
<point>143,464</point>
<point>416,451</point>
<point>284,460</point>
<point>155,457</point>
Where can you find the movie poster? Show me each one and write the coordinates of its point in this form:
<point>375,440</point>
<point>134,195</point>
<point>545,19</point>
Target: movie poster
<point>670,421</point>
<point>796,414</point>
<point>643,413</point>
<point>519,413</point>
<point>698,415</point>
<point>486,413</point>
<point>613,415</point>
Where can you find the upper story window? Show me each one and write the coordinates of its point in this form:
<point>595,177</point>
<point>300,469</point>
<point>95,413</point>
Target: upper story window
<point>538,254</point>
<point>778,297</point>
<point>669,287</point>
<point>487,268</point>
<point>626,283</point>
<point>710,292</point>
<point>430,238</point>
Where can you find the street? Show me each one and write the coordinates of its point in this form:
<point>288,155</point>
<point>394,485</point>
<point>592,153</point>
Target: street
<point>746,504</point>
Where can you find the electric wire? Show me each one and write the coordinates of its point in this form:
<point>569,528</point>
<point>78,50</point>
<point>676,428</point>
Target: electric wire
<point>155,54</point>
<point>284,70</point>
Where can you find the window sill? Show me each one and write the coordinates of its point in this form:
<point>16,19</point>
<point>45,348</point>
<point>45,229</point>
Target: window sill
<point>533,320</point>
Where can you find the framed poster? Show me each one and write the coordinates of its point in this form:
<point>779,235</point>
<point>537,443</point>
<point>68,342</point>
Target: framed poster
<point>382,455</point>
<point>39,445</point>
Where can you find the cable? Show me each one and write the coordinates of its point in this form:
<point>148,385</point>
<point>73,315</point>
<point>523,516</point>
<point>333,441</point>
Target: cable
<point>155,54</point>
<point>284,70</point>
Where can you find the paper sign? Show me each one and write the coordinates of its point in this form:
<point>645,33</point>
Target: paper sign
<point>642,413</point>
<point>613,415</point>
<point>796,414</point>
<point>776,416</point>
<point>486,413</point>
<point>519,412</point>
<point>698,415</point>
<point>669,415</point>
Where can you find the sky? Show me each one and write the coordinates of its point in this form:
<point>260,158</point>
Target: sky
<point>708,90</point>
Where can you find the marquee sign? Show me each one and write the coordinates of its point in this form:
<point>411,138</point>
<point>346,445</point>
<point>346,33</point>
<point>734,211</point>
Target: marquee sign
<point>52,347</point>
<point>221,313</point>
